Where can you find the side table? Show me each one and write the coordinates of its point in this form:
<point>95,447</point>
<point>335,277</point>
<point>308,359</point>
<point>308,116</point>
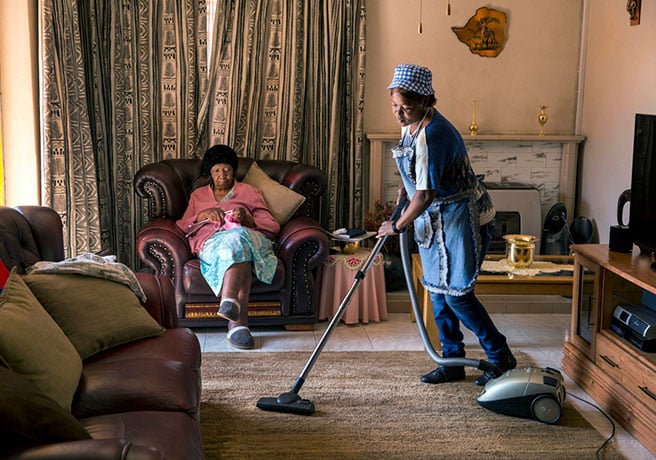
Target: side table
<point>337,275</point>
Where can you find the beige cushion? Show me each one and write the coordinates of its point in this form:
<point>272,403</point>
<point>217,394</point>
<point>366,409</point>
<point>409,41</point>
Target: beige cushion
<point>33,345</point>
<point>94,313</point>
<point>282,201</point>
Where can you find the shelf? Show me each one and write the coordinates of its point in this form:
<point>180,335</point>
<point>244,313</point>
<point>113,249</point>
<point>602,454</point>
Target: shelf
<point>634,267</point>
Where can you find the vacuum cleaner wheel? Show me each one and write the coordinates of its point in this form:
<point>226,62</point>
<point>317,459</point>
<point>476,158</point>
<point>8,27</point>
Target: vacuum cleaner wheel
<point>546,409</point>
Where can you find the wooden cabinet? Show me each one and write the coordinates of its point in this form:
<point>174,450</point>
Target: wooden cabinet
<point>615,372</point>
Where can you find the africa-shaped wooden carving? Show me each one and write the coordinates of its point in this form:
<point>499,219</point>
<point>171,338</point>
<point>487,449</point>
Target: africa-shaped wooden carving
<point>484,33</point>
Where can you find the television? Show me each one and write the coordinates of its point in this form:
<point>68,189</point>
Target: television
<point>642,206</point>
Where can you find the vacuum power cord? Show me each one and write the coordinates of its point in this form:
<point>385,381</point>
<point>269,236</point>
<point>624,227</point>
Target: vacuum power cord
<point>610,420</point>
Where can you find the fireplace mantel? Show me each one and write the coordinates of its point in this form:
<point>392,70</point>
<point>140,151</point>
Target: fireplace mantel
<point>381,143</point>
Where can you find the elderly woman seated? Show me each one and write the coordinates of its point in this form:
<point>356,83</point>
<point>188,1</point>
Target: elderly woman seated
<point>231,229</point>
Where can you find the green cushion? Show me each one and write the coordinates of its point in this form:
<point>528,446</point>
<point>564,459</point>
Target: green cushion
<point>94,313</point>
<point>33,345</point>
<point>282,201</point>
<point>29,417</point>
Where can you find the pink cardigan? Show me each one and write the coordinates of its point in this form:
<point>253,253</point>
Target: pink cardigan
<point>243,195</point>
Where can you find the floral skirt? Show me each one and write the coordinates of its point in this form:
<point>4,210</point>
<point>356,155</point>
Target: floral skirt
<point>239,244</point>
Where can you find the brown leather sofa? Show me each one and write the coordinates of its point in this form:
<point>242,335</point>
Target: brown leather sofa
<point>290,300</point>
<point>138,400</point>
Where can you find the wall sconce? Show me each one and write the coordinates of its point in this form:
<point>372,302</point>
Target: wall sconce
<point>633,8</point>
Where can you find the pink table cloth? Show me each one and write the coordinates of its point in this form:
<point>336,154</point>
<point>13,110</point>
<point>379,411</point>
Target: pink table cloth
<point>368,302</point>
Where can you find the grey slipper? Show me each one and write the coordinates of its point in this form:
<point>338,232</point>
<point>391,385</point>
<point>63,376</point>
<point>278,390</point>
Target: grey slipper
<point>240,337</point>
<point>229,309</point>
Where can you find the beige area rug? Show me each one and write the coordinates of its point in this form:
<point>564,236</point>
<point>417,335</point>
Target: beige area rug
<point>371,405</point>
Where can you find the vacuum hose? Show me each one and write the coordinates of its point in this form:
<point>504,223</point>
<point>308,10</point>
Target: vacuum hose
<point>428,346</point>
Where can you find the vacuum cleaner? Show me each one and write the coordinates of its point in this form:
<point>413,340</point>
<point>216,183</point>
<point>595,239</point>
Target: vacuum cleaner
<point>530,392</point>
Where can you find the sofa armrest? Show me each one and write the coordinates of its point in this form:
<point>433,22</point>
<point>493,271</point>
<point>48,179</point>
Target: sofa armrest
<point>163,247</point>
<point>297,232</point>
<point>167,185</point>
<point>302,246</point>
<point>47,231</point>
<point>306,180</point>
<point>160,298</point>
<point>310,182</point>
<point>100,449</point>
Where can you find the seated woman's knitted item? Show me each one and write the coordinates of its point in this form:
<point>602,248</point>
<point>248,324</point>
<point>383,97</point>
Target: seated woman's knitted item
<point>229,222</point>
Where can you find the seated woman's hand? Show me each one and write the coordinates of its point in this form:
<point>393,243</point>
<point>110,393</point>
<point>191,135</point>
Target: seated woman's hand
<point>211,214</point>
<point>238,213</point>
<point>241,215</point>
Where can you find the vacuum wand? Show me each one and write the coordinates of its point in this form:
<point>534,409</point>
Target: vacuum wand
<point>290,401</point>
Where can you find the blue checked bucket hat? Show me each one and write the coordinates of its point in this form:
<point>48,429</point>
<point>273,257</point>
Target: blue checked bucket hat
<point>411,77</point>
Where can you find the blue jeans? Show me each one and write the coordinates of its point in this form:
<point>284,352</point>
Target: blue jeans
<point>449,311</point>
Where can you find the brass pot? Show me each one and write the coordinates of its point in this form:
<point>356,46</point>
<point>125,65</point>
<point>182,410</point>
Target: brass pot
<point>520,249</point>
<point>351,248</point>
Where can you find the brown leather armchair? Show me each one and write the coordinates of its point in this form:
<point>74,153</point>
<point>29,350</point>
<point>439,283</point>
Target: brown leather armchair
<point>290,300</point>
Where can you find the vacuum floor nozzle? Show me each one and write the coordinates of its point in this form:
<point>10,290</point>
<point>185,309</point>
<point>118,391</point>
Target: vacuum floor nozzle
<point>289,403</point>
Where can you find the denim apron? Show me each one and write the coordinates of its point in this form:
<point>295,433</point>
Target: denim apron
<point>447,233</point>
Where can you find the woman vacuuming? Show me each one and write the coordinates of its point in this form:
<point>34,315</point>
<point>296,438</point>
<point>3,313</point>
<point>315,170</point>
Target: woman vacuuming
<point>453,219</point>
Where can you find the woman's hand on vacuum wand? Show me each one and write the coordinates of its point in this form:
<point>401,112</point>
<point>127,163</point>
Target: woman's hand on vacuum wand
<point>419,203</point>
<point>388,228</point>
<point>392,226</point>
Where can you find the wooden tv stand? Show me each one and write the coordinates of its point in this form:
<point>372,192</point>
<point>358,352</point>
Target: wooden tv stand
<point>615,372</point>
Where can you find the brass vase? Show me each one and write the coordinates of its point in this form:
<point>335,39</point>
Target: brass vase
<point>542,118</point>
<point>473,127</point>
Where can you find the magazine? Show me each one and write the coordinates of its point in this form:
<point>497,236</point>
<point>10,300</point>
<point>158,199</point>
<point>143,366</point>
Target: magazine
<point>350,235</point>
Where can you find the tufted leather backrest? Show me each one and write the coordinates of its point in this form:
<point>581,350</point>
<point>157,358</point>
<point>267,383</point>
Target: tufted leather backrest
<point>29,234</point>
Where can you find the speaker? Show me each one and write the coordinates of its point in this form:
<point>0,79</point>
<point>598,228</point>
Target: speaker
<point>620,239</point>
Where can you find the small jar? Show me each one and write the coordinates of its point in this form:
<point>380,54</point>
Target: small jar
<point>520,249</point>
<point>350,248</point>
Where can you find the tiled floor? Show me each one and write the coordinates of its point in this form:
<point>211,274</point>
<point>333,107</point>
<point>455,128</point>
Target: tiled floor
<point>539,335</point>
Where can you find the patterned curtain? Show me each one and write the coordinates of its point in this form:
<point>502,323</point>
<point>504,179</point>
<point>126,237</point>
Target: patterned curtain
<point>287,82</point>
<point>121,86</point>
<point>124,84</point>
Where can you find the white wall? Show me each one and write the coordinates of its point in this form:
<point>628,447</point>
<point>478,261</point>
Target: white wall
<point>538,65</point>
<point>620,80</point>
<point>19,93</point>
